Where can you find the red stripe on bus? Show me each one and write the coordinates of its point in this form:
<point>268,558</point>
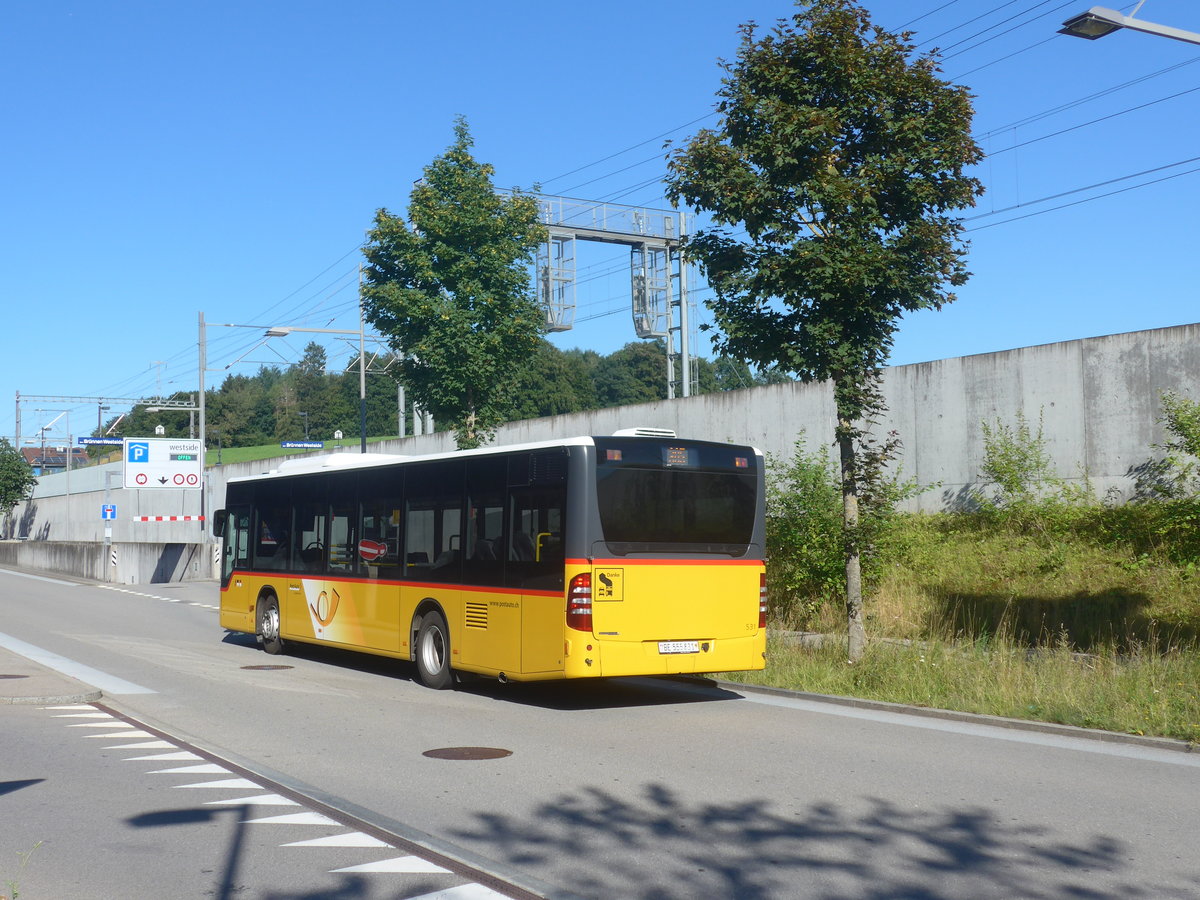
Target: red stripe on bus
<point>620,561</point>
<point>271,575</point>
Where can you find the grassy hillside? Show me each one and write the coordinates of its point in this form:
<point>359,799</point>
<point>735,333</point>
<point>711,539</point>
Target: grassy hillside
<point>1085,615</point>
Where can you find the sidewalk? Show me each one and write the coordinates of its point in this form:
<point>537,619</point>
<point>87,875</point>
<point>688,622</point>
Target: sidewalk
<point>25,682</point>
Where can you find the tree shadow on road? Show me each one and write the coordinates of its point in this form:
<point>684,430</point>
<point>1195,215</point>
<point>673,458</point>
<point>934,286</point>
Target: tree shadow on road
<point>663,845</point>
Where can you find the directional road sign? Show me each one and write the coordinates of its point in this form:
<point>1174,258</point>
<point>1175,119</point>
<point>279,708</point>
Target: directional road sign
<point>163,463</point>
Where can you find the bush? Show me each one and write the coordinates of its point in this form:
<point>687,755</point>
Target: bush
<point>806,562</point>
<point>806,550</point>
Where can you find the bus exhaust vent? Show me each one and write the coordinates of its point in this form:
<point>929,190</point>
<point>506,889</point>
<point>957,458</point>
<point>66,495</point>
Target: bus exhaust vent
<point>645,432</point>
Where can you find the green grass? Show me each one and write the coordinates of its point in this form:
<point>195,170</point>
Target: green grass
<point>271,451</point>
<point>1084,616</point>
<point>1149,693</point>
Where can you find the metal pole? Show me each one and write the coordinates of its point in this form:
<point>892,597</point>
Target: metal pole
<point>70,453</point>
<point>106,561</point>
<point>400,407</point>
<point>685,346</point>
<point>362,371</point>
<point>203,353</point>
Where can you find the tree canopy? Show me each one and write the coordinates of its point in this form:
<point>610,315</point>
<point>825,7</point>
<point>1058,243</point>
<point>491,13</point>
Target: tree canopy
<point>830,180</point>
<point>451,291</point>
<point>16,477</point>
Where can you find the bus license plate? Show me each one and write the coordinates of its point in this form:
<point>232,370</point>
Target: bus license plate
<point>678,646</point>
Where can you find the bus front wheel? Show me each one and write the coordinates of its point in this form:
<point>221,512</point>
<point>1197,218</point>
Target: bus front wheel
<point>268,625</point>
<point>433,652</point>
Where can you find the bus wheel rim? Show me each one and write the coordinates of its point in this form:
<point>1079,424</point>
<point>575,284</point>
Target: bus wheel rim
<point>433,650</point>
<point>270,625</point>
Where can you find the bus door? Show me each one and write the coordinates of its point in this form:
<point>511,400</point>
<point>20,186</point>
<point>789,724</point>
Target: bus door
<point>235,558</point>
<point>328,604</point>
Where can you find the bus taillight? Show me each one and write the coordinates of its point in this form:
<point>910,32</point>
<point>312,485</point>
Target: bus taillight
<point>762,600</point>
<point>579,602</point>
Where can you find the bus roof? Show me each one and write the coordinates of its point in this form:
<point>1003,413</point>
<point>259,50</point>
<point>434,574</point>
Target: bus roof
<point>332,462</point>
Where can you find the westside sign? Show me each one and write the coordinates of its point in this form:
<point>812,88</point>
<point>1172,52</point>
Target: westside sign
<point>163,463</point>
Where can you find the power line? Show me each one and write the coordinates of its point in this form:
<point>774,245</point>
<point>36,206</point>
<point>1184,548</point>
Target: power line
<point>1089,187</point>
<point>1095,121</point>
<point>1006,31</point>
<point>628,149</point>
<point>926,15</point>
<point>1071,104</point>
<point>971,21</point>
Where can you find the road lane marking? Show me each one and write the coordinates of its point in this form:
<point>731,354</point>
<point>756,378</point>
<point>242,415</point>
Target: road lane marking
<point>410,865</point>
<point>241,784</point>
<point>353,839</point>
<point>57,581</point>
<point>259,800</point>
<point>304,818</point>
<point>110,684</point>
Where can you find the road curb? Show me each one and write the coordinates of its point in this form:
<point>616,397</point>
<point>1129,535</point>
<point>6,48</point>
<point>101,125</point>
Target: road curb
<point>86,697</point>
<point>1072,731</point>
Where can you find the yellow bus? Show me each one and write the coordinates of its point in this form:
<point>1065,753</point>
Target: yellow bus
<point>630,554</point>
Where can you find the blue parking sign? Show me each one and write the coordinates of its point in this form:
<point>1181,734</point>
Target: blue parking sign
<point>138,452</point>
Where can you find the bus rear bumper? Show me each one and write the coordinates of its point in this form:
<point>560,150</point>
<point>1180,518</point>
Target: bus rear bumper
<point>589,657</point>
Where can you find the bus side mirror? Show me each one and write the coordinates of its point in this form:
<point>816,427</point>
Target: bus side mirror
<point>218,524</point>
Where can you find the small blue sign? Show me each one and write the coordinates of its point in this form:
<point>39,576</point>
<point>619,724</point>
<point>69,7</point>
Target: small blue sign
<point>302,445</point>
<point>139,452</point>
<point>108,511</point>
<point>101,442</point>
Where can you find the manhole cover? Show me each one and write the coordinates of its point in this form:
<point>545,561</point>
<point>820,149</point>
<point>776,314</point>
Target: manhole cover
<point>14,676</point>
<point>266,668</point>
<point>467,753</point>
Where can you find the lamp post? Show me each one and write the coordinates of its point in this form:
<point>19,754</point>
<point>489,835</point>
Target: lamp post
<point>44,429</point>
<point>285,330</point>
<point>1100,21</point>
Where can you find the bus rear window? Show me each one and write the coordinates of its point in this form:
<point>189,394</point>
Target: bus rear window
<point>655,501</point>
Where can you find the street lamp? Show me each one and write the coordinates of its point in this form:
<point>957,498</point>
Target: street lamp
<point>285,330</point>
<point>1100,21</point>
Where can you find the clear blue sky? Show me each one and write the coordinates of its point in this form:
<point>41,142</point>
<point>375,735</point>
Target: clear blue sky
<point>166,159</point>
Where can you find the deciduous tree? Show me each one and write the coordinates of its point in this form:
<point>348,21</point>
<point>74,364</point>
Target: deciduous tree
<point>831,179</point>
<point>451,290</point>
<point>16,477</point>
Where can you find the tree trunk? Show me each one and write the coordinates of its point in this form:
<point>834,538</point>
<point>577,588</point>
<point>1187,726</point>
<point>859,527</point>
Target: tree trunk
<point>857,638</point>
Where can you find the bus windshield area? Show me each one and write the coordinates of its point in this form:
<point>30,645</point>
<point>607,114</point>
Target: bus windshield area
<point>664,497</point>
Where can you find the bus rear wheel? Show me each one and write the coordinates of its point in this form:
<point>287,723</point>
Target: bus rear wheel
<point>268,625</point>
<point>433,652</point>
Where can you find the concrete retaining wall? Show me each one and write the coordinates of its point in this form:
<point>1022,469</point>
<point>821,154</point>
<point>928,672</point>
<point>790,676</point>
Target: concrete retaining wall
<point>1098,399</point>
<point>124,563</point>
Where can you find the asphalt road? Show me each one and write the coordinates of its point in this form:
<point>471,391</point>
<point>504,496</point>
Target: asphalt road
<point>631,788</point>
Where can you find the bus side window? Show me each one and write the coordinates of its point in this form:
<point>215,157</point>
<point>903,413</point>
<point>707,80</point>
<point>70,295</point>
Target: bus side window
<point>310,545</point>
<point>433,522</point>
<point>379,538</point>
<point>271,526</point>
<point>535,550</point>
<point>343,524</point>
<point>484,546</point>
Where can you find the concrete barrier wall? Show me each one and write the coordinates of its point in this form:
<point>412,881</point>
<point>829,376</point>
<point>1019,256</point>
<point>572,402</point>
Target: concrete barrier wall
<point>1098,399</point>
<point>120,564</point>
